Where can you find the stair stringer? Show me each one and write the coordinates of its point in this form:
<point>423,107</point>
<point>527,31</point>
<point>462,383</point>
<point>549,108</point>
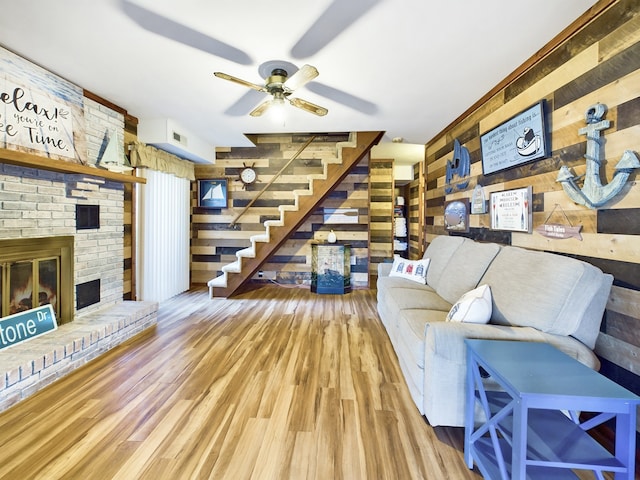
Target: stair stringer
<point>249,260</point>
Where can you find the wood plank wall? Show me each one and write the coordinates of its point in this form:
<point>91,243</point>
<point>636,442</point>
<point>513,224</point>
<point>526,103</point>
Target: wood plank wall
<point>416,210</point>
<point>381,190</point>
<point>129,291</point>
<point>600,63</point>
<point>214,242</point>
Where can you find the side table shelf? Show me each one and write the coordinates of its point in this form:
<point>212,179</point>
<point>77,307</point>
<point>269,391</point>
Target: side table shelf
<point>526,434</point>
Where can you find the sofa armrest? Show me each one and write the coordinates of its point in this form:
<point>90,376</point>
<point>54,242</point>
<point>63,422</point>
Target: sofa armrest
<point>446,339</point>
<point>384,269</point>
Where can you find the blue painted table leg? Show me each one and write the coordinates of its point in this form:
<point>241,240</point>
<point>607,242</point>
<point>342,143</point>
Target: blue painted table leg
<point>519,452</point>
<point>626,442</point>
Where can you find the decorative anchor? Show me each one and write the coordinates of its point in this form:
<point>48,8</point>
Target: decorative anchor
<point>593,194</point>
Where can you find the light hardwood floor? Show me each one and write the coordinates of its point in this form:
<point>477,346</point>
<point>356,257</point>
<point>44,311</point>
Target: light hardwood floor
<point>277,383</point>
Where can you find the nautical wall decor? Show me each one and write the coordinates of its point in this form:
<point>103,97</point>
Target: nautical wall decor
<point>478,202</point>
<point>593,193</point>
<point>459,166</point>
<point>456,216</point>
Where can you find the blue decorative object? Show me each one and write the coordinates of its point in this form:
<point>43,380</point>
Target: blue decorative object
<point>459,166</point>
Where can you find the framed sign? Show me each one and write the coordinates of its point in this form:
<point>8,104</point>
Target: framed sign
<point>511,210</point>
<point>521,139</point>
<point>212,193</point>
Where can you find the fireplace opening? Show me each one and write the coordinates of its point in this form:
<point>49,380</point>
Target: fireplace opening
<point>33,284</point>
<point>36,272</point>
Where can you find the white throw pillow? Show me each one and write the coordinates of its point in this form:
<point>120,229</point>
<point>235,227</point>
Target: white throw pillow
<point>472,307</point>
<point>415,270</point>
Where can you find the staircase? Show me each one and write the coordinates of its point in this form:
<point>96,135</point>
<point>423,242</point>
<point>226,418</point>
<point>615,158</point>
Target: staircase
<point>250,259</point>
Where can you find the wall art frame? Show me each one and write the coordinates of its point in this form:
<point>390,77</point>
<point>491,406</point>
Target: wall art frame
<point>521,139</point>
<point>511,210</point>
<point>213,193</point>
<point>456,215</point>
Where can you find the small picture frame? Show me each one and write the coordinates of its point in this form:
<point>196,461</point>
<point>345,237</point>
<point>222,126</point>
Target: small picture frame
<point>456,215</point>
<point>511,210</point>
<point>212,193</point>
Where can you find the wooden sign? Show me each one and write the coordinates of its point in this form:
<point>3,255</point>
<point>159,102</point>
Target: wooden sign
<point>553,230</point>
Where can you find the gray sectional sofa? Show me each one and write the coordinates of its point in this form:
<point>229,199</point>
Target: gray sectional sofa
<point>536,296</point>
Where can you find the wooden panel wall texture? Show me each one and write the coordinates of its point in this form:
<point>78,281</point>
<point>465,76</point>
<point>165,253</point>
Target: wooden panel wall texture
<point>381,190</point>
<point>130,135</point>
<point>214,242</point>
<point>415,214</point>
<point>600,63</point>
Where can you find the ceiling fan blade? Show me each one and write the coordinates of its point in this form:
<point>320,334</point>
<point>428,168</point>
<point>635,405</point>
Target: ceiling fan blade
<point>173,30</point>
<point>347,99</point>
<point>244,104</point>
<point>308,106</point>
<point>302,77</point>
<point>333,21</point>
<point>231,78</point>
<point>260,109</point>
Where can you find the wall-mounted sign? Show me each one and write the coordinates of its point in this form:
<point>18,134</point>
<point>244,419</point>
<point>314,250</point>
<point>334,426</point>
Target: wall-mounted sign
<point>23,326</point>
<point>38,110</point>
<point>519,140</point>
<point>511,210</point>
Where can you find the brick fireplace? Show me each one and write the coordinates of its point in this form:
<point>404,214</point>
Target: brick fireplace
<point>38,216</point>
<point>46,255</point>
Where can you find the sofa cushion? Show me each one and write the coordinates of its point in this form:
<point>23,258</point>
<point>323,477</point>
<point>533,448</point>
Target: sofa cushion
<point>414,270</point>
<point>411,333</point>
<point>465,269</point>
<point>439,252</point>
<point>541,290</point>
<point>404,299</point>
<point>472,307</point>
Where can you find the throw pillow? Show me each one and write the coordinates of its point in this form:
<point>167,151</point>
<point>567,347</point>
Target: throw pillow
<point>472,307</point>
<point>415,270</point>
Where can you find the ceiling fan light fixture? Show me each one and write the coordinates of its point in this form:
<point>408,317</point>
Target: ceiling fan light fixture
<point>277,108</point>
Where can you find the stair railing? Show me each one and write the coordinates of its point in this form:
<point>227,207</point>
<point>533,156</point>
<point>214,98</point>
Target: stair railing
<point>272,181</point>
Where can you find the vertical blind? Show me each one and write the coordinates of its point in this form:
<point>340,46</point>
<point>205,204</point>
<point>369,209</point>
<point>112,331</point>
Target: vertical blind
<point>163,235</point>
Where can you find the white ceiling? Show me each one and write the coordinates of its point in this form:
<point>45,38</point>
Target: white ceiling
<point>408,67</point>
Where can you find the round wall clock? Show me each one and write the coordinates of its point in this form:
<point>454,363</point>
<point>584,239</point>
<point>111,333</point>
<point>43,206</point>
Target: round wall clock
<point>248,175</point>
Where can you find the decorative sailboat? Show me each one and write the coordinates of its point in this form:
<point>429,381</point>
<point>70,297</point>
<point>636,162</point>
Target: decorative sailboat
<point>113,160</point>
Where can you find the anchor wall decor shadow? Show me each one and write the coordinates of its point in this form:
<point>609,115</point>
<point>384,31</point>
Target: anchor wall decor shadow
<point>593,194</point>
<point>459,165</point>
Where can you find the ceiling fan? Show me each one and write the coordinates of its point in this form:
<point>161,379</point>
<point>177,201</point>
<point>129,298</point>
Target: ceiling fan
<point>280,86</point>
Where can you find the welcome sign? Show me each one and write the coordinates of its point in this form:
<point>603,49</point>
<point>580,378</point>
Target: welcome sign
<point>24,326</point>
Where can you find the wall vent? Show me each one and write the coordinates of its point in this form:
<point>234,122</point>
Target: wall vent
<point>87,293</point>
<point>87,217</point>
<point>181,139</point>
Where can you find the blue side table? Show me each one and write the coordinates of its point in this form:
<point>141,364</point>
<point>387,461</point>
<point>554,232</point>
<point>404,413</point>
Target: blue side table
<point>526,434</point>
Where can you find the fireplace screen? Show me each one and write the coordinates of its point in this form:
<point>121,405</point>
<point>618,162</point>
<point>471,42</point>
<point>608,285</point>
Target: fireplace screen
<point>32,284</point>
<point>36,272</point>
